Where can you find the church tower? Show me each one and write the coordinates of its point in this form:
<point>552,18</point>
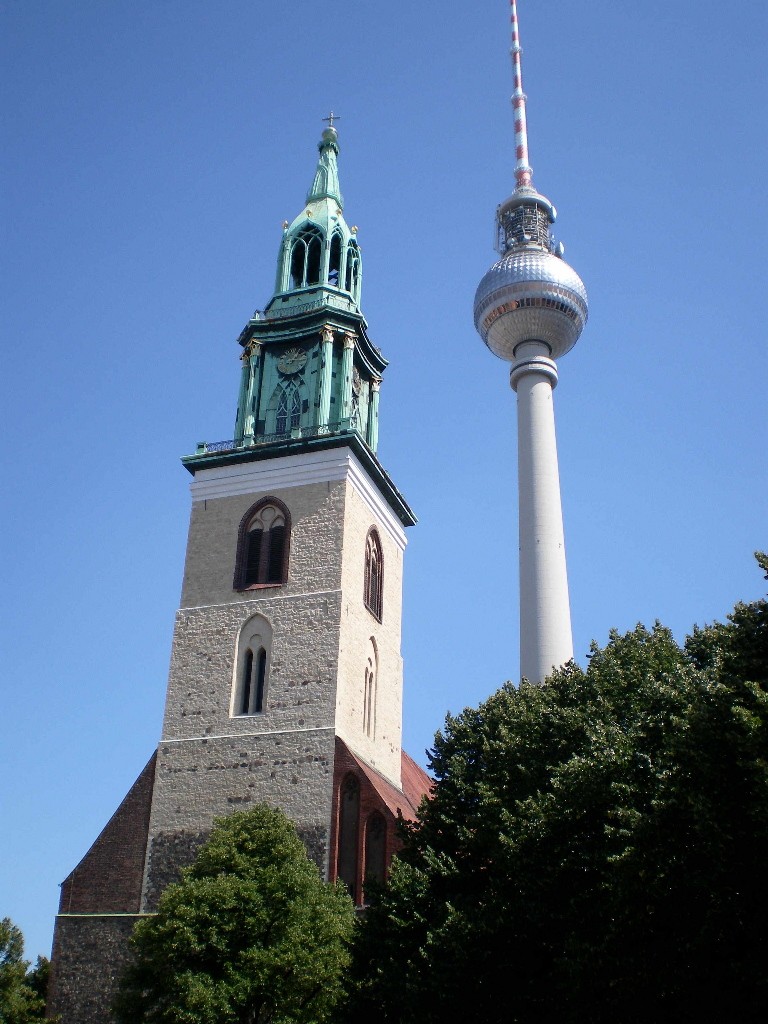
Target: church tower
<point>285,682</point>
<point>530,309</point>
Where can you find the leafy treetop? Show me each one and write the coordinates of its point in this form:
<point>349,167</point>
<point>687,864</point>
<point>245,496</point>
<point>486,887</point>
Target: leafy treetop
<point>595,849</point>
<point>22,992</point>
<point>250,935</point>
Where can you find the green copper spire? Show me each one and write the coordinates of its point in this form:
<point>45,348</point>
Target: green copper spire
<point>319,258</point>
<point>309,369</point>
<point>326,183</point>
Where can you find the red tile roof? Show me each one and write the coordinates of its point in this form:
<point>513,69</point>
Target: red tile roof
<point>415,781</point>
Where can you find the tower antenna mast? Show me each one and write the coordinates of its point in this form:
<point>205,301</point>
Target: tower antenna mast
<point>523,170</point>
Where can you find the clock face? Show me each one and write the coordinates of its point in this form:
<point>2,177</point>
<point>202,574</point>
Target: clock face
<point>292,361</point>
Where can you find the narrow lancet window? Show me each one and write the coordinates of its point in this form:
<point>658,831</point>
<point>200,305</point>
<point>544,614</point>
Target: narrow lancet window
<point>298,263</point>
<point>334,261</point>
<point>252,664</point>
<point>374,574</point>
<point>288,412</point>
<point>369,699</point>
<point>349,825</point>
<point>261,675</point>
<point>245,702</point>
<point>281,420</point>
<point>375,848</point>
<point>254,677</point>
<point>353,269</point>
<point>314,259</point>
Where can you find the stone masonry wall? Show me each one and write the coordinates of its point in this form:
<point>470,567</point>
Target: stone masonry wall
<point>199,780</point>
<point>359,627</point>
<point>317,513</point>
<point>89,955</point>
<point>212,761</point>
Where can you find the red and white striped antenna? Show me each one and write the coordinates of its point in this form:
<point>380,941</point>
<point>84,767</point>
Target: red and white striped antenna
<point>523,170</point>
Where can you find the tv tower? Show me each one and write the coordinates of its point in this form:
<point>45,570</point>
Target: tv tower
<point>530,309</point>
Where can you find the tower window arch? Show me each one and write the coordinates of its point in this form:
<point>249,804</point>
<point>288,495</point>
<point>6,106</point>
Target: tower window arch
<point>374,574</point>
<point>251,674</point>
<point>334,261</point>
<point>263,545</point>
<point>349,828</point>
<point>288,406</point>
<point>298,263</point>
<point>375,848</point>
<point>352,275</point>
<point>306,258</point>
<point>288,413</point>
<point>370,685</point>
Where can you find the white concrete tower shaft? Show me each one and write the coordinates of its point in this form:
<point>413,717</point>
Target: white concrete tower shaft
<point>545,613</point>
<point>530,309</point>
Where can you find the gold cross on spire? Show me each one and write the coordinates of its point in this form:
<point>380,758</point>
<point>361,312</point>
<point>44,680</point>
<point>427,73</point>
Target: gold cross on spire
<point>331,118</point>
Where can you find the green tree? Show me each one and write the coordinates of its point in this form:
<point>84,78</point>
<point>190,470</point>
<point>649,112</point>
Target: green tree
<point>596,847</point>
<point>250,935</point>
<point>22,992</point>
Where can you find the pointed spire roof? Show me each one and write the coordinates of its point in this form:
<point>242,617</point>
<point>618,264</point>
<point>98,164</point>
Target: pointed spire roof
<point>326,182</point>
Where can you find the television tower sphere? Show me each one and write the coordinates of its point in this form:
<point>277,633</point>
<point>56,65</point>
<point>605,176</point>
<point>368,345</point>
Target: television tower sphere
<point>531,293</point>
<point>530,309</point>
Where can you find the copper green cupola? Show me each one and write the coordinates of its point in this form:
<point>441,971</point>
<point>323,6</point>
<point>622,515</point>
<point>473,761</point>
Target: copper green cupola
<point>310,373</point>
<point>319,255</point>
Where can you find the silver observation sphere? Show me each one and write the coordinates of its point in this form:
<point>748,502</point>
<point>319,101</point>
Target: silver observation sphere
<point>530,294</point>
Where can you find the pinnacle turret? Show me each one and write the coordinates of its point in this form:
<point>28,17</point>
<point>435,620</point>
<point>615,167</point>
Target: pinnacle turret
<point>326,182</point>
<point>319,251</point>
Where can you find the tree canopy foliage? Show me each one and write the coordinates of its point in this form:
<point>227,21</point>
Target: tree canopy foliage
<point>250,935</point>
<point>596,847</point>
<point>22,992</point>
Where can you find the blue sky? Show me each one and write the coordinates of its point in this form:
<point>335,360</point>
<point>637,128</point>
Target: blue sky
<point>151,151</point>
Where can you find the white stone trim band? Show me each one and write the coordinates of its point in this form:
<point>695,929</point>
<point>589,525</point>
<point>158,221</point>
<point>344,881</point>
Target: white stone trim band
<point>297,470</point>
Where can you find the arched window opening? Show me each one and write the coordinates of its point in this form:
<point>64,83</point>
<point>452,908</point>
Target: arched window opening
<point>314,259</point>
<point>298,263</point>
<point>369,698</point>
<point>349,824</point>
<point>262,555</point>
<point>254,678</point>
<point>288,415</point>
<point>306,258</point>
<point>374,574</point>
<point>375,848</point>
<point>353,267</point>
<point>281,421</point>
<point>265,545</point>
<point>245,701</point>
<point>252,667</point>
<point>334,261</point>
